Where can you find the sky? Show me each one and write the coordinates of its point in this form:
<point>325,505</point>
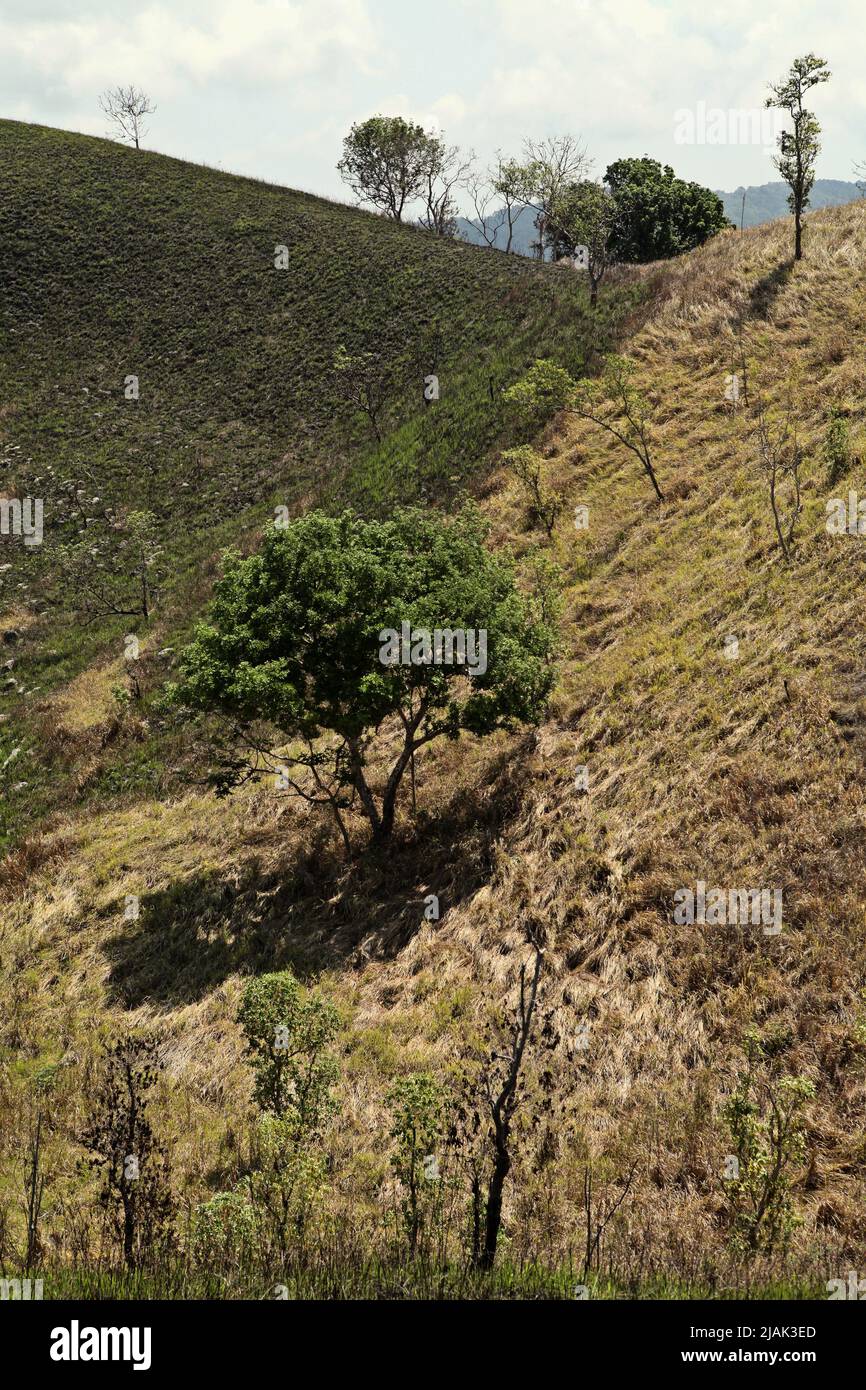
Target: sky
<point>270,87</point>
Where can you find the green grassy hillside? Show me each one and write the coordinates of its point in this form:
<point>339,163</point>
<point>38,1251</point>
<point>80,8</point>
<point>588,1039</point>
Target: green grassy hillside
<point>116,264</point>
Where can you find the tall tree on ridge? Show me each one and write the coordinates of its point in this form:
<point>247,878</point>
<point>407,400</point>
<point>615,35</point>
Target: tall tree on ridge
<point>798,148</point>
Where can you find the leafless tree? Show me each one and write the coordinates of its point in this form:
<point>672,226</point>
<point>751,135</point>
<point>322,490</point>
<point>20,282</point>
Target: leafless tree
<point>780,457</point>
<point>544,506</point>
<point>549,167</point>
<point>34,1186</point>
<point>126,108</point>
<point>501,1094</point>
<point>451,169</point>
<point>361,379</point>
<point>502,184</point>
<point>599,1215</point>
<point>614,403</point>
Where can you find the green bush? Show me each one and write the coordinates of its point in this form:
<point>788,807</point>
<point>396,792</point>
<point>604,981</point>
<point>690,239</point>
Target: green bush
<point>417,1104</point>
<point>538,396</point>
<point>765,1120</point>
<point>288,1033</point>
<point>837,446</point>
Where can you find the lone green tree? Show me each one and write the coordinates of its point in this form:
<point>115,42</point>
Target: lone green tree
<point>798,148</point>
<point>389,162</point>
<point>338,626</point>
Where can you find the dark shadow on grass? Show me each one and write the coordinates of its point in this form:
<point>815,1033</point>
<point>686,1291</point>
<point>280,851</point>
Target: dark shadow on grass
<point>764,294</point>
<point>315,911</point>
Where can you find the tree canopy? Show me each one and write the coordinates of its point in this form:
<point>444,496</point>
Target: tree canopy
<point>390,162</point>
<point>657,214</point>
<point>294,655</point>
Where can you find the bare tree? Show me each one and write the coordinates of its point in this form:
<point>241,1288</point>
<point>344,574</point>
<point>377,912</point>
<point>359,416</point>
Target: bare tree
<point>526,465</point>
<point>504,183</point>
<point>598,1216</point>
<point>117,569</point>
<point>450,169</point>
<point>780,457</point>
<point>126,108</point>
<point>614,403</point>
<point>549,167</point>
<point>501,1093</point>
<point>135,1192</point>
<point>361,379</point>
<point>34,1185</point>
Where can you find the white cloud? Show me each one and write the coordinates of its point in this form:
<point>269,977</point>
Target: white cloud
<point>258,42</point>
<point>272,86</point>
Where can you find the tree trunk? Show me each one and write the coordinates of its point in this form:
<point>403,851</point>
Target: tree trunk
<point>653,479</point>
<point>493,1214</point>
<point>389,805</point>
<point>128,1227</point>
<point>776,519</point>
<point>359,782</point>
<point>389,800</point>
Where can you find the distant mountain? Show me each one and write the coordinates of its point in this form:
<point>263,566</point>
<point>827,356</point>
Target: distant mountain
<point>524,232</point>
<point>766,201</point>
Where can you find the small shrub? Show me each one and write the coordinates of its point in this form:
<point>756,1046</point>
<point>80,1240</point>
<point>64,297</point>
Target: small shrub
<point>417,1105</point>
<point>288,1032</point>
<point>765,1121</point>
<point>837,446</point>
<point>536,398</point>
<point>545,507</point>
<point>224,1230</point>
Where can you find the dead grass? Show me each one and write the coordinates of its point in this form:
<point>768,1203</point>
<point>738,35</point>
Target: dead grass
<point>734,772</point>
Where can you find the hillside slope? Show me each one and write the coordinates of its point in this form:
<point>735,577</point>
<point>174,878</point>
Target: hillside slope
<point>116,263</point>
<point>739,766</point>
<point>153,357</point>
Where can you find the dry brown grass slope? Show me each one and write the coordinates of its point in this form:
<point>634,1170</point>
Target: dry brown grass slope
<point>741,773</point>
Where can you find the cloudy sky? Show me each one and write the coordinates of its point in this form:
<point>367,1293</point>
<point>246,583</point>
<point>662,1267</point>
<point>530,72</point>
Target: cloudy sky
<point>270,87</point>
